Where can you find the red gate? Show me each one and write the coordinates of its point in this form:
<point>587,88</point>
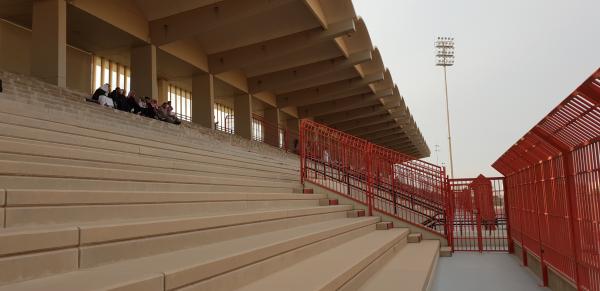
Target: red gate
<point>479,220</point>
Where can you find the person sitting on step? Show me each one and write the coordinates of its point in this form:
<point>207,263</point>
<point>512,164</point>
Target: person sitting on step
<point>103,99</point>
<point>119,99</point>
<point>102,90</point>
<point>150,110</point>
<point>164,114</point>
<point>133,103</point>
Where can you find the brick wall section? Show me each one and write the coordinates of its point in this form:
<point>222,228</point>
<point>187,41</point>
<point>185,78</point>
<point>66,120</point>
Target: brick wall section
<point>47,97</point>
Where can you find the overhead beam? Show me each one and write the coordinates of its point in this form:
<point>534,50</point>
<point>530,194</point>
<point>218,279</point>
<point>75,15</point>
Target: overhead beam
<point>275,80</point>
<point>349,103</point>
<point>315,8</point>
<point>357,123</point>
<point>321,80</point>
<point>391,138</point>
<point>352,114</point>
<point>384,126</point>
<point>325,92</point>
<point>261,52</point>
<point>193,22</point>
<point>404,145</point>
<point>383,133</point>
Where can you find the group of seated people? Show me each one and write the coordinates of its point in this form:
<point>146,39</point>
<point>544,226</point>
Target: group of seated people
<point>131,103</point>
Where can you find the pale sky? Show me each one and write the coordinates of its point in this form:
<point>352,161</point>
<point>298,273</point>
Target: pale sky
<point>515,61</point>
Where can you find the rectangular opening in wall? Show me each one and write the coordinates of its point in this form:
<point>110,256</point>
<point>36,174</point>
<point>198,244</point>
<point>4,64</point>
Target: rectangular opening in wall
<point>113,73</point>
<point>224,118</point>
<point>181,101</point>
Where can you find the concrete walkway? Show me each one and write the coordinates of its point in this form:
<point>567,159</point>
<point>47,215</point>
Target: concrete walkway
<point>467,271</point>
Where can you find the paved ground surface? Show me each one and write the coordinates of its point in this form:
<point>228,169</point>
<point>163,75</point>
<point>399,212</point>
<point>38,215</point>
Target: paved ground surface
<point>483,272</point>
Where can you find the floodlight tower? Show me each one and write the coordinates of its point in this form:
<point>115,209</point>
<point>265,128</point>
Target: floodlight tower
<point>445,58</point>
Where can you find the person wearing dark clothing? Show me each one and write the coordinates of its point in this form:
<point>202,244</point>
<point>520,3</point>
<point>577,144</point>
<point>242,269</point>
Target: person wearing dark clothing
<point>149,111</point>
<point>133,103</point>
<point>102,91</point>
<point>165,113</point>
<point>119,99</point>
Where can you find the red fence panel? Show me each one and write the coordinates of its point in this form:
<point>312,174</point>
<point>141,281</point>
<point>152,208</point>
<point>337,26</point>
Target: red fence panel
<point>479,217</point>
<point>553,185</point>
<point>386,181</point>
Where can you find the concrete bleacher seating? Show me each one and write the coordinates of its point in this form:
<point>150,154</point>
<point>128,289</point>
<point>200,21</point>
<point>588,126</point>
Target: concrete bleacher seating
<point>95,199</point>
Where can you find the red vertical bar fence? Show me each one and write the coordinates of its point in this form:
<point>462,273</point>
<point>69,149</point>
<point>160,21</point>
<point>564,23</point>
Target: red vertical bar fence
<point>553,181</point>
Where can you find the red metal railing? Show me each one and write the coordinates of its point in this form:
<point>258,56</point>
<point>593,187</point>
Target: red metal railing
<point>386,181</point>
<point>479,218</point>
<point>553,185</point>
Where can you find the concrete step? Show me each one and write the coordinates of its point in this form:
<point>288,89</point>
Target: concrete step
<point>356,213</point>
<point>415,237</point>
<point>185,267</point>
<point>29,169</point>
<point>445,252</point>
<point>410,268</point>
<point>385,225</point>
<point>66,110</point>
<point>19,240</point>
<point>23,197</point>
<point>65,207</point>
<point>331,269</point>
<point>327,201</point>
<point>259,270</point>
<point>134,135</point>
<point>90,245</point>
<point>94,140</point>
<point>59,183</point>
<point>32,151</point>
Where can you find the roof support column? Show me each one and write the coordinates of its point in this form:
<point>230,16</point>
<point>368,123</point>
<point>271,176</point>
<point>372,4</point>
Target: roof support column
<point>49,41</point>
<point>163,91</point>
<point>143,71</point>
<point>272,126</point>
<point>242,106</point>
<point>203,100</point>
<point>292,127</point>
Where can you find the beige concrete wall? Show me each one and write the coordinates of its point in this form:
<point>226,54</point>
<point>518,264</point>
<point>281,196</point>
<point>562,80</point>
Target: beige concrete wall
<point>79,70</point>
<point>15,48</point>
<point>123,14</point>
<point>15,57</point>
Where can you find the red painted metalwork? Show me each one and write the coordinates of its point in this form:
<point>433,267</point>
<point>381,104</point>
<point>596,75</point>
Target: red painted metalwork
<point>553,184</point>
<point>479,218</point>
<point>386,181</point>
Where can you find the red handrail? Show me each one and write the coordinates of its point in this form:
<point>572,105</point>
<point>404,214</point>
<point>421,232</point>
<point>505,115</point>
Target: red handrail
<point>384,180</point>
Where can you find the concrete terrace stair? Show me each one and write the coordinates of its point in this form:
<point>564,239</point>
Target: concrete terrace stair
<point>35,98</point>
<point>409,269</point>
<point>41,130</point>
<point>331,270</point>
<point>180,268</point>
<point>97,199</point>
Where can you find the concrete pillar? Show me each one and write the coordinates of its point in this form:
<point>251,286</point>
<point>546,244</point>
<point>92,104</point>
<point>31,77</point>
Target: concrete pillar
<point>49,41</point>
<point>203,100</point>
<point>293,124</point>
<point>163,91</point>
<point>143,71</point>
<point>272,128</point>
<point>293,128</point>
<point>242,107</point>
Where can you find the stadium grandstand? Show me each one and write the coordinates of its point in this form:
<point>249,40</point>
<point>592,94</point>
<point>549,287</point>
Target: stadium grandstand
<point>257,145</point>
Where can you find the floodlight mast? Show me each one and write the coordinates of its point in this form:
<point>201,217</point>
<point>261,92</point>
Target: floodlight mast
<point>445,58</point>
